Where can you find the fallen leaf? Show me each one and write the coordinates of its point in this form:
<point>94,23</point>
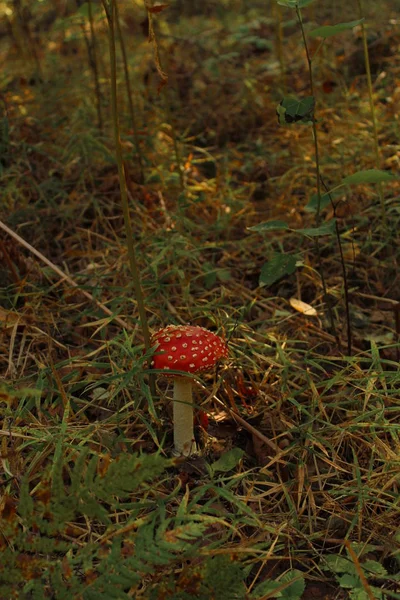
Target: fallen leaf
<point>302,307</point>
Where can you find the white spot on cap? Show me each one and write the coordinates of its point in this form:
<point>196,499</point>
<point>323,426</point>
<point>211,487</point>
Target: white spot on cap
<point>175,351</point>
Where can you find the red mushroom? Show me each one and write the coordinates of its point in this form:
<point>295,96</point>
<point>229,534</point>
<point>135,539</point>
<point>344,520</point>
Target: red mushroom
<point>191,349</point>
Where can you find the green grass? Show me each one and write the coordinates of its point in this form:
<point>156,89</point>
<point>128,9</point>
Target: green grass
<point>296,490</point>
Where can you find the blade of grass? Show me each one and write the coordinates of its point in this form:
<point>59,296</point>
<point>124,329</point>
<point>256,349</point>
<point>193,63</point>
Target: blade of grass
<point>110,10</point>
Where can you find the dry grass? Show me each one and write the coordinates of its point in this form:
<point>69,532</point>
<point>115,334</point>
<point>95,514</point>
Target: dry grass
<point>71,369</point>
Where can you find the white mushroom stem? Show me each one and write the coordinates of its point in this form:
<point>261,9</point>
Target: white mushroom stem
<point>184,442</point>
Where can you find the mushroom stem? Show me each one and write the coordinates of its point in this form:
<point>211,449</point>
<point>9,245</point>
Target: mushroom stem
<point>184,441</point>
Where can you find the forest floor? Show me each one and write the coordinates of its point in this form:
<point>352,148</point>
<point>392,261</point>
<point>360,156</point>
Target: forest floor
<point>296,491</point>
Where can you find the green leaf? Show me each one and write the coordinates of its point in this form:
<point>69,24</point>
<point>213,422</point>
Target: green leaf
<point>280,265</point>
<point>289,23</point>
<point>373,566</point>
<point>377,592</point>
<point>327,31</point>
<point>227,461</point>
<point>210,279</point>
<point>25,506</point>
<point>223,578</point>
<point>269,226</point>
<point>313,202</point>
<point>339,564</point>
<point>360,548</point>
<point>359,594</point>
<point>327,228</point>
<point>295,590</point>
<point>349,581</point>
<point>127,472</point>
<point>224,274</point>
<point>295,3</point>
<point>84,9</point>
<point>368,176</point>
<point>292,110</point>
<point>264,588</point>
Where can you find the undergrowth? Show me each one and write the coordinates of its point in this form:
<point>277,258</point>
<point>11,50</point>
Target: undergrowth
<point>235,228</point>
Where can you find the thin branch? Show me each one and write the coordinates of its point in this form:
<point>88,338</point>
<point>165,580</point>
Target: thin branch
<point>64,276</point>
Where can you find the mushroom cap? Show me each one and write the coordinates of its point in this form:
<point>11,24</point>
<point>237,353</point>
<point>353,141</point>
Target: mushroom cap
<point>187,348</point>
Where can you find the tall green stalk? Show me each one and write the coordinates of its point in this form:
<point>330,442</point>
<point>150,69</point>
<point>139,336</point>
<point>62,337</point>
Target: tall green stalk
<point>314,124</point>
<point>130,95</point>
<point>109,8</point>
<point>318,176</point>
<point>372,108</point>
<point>93,61</point>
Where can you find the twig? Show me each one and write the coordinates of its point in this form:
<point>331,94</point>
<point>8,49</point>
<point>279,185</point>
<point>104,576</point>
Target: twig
<point>253,430</point>
<point>377,298</point>
<point>360,572</point>
<point>249,427</point>
<point>64,276</point>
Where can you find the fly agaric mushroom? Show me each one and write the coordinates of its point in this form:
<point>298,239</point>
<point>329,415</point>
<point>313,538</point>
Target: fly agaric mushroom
<point>191,349</point>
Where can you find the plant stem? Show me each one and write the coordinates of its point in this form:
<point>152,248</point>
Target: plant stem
<point>318,176</point>
<point>344,272</point>
<point>373,114</point>
<point>314,125</point>
<point>130,95</point>
<point>93,64</point>
<point>110,12</point>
